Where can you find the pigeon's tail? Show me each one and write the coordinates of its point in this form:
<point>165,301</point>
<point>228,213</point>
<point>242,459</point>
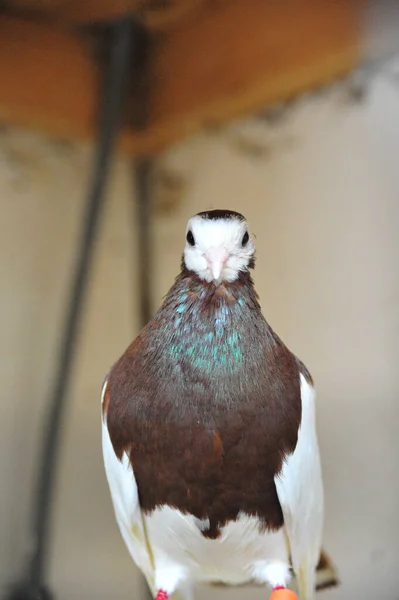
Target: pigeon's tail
<point>326,573</point>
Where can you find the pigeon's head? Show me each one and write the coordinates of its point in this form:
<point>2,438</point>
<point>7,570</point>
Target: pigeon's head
<point>218,245</point>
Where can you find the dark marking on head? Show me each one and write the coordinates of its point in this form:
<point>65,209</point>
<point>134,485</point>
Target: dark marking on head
<point>220,214</point>
<point>251,263</point>
<point>206,403</point>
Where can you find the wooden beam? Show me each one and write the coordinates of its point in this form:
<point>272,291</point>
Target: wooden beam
<point>157,14</point>
<point>73,11</point>
<point>231,57</point>
<point>222,59</point>
<point>47,80</point>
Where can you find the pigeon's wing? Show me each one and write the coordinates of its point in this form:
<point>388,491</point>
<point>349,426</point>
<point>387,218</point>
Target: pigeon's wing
<point>125,499</point>
<point>300,492</point>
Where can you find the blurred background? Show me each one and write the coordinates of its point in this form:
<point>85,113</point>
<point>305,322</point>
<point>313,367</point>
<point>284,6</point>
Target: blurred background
<point>287,112</point>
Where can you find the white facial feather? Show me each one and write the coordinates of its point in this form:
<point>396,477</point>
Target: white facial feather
<point>218,253</point>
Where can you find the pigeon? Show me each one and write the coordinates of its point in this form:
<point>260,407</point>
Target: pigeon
<point>208,432</point>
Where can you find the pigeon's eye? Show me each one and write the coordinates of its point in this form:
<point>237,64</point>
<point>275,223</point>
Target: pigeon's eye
<point>245,239</point>
<point>190,238</point>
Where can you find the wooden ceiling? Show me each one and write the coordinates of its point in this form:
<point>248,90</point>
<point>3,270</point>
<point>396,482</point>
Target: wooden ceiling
<point>157,14</point>
<point>209,61</point>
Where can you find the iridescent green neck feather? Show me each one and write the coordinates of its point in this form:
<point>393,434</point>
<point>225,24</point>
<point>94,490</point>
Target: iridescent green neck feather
<point>213,329</point>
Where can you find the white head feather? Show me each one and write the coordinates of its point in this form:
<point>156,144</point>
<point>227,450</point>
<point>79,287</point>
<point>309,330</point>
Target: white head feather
<point>218,246</point>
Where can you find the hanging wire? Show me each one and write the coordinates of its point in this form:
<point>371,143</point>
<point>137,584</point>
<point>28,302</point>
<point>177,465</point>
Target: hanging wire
<point>122,45</point>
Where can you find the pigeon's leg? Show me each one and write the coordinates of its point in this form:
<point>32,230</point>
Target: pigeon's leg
<point>277,574</point>
<point>169,579</point>
<point>186,595</point>
<point>282,593</point>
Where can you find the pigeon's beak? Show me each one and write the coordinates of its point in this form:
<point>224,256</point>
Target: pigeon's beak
<point>216,258</point>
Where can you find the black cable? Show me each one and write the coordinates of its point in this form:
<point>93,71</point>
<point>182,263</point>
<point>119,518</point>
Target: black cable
<point>121,49</point>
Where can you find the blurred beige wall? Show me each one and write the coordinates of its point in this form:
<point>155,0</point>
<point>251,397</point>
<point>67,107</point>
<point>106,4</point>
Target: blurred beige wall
<point>320,188</point>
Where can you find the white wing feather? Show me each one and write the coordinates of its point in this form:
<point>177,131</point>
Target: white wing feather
<point>123,489</point>
<point>300,491</point>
